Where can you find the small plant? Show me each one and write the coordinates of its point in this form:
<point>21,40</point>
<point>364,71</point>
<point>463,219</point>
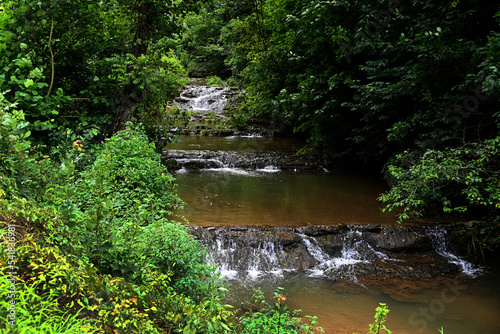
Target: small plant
<point>380,318</point>
<point>275,319</point>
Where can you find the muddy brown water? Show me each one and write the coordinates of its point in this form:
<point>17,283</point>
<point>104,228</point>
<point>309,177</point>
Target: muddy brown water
<point>228,196</point>
<point>462,306</point>
<point>238,197</point>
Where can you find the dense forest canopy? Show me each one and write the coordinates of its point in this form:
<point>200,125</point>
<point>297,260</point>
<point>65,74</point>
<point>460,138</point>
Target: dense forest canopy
<point>371,83</point>
<point>406,88</point>
<point>365,79</point>
<point>412,86</point>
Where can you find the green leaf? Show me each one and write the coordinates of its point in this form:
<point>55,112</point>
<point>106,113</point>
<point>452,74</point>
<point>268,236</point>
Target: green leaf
<point>28,83</point>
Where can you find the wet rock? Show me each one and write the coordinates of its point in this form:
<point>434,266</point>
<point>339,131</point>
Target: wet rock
<point>333,243</point>
<point>340,252</point>
<point>250,160</point>
<point>321,230</point>
<point>398,239</point>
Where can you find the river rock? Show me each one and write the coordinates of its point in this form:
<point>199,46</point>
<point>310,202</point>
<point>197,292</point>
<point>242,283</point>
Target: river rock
<point>247,160</point>
<point>399,239</point>
<point>339,252</point>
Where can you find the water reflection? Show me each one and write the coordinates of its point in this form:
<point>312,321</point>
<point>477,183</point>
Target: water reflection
<point>236,197</point>
<point>475,308</point>
<point>237,143</point>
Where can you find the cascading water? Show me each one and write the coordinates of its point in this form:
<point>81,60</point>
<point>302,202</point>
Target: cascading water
<point>245,190</point>
<point>442,246</point>
<point>203,99</point>
<point>233,256</point>
<point>355,250</point>
<point>265,258</point>
<point>224,160</point>
<point>255,157</point>
<point>349,256</point>
<point>337,253</point>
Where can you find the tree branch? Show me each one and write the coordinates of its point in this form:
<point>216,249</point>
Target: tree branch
<point>51,57</point>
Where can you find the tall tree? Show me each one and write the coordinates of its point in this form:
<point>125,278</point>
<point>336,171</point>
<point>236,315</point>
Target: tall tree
<point>132,93</point>
<point>153,21</point>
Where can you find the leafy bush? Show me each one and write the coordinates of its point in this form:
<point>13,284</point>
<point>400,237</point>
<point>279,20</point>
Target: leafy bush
<point>49,285</point>
<point>125,202</point>
<point>215,81</point>
<point>169,248</point>
<point>14,147</point>
<point>37,313</point>
<point>275,318</point>
<point>25,171</point>
<point>128,180</point>
<point>64,288</point>
<point>459,180</point>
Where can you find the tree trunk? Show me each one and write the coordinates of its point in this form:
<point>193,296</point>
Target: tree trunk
<point>132,94</point>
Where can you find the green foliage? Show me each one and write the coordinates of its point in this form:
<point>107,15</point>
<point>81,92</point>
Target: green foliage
<point>128,172</point>
<point>49,285</point>
<point>53,265</point>
<point>124,203</point>
<point>277,318</point>
<point>37,312</point>
<point>380,318</point>
<point>159,75</point>
<point>215,81</point>
<point>66,64</point>
<point>198,44</point>
<point>48,59</point>
<point>59,293</point>
<point>14,145</point>
<point>369,79</point>
<point>153,305</point>
<point>452,181</point>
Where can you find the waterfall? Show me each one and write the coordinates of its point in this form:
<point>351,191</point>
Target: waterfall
<point>203,99</point>
<point>334,252</point>
<point>443,247</point>
<point>354,250</point>
<point>233,258</point>
<point>229,161</point>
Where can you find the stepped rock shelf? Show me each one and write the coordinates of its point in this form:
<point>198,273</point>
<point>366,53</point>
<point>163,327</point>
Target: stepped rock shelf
<point>272,218</point>
<point>250,160</point>
<point>359,254</point>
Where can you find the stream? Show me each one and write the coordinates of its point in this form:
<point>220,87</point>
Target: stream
<point>269,218</point>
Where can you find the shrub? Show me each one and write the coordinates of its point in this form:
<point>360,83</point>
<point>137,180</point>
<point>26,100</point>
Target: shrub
<point>14,147</point>
<point>126,200</point>
<point>37,313</point>
<point>215,81</point>
<point>275,318</point>
<point>58,288</point>
<point>463,180</point>
<point>128,173</point>
<point>49,285</point>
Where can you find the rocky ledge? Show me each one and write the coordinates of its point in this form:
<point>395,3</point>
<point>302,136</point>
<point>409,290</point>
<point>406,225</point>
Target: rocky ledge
<point>251,160</point>
<point>361,254</point>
